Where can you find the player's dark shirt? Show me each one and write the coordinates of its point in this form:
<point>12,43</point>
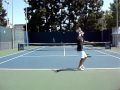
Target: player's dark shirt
<point>79,43</point>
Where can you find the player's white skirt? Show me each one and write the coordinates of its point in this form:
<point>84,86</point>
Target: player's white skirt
<point>83,54</point>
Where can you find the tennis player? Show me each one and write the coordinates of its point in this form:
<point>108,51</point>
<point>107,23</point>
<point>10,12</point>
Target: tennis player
<point>80,41</point>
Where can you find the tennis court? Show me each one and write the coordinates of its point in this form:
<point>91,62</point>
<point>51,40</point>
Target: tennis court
<point>35,69</point>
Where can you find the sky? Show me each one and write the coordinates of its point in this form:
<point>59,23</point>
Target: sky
<point>18,10</point>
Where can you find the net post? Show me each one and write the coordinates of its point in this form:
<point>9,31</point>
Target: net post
<point>108,45</point>
<point>20,46</point>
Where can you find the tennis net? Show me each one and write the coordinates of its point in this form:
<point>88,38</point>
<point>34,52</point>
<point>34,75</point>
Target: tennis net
<point>97,45</point>
<point>61,46</point>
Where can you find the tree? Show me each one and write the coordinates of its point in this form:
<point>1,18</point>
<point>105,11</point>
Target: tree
<point>111,16</point>
<point>63,15</point>
<point>91,14</point>
<point>3,21</point>
<point>42,15</point>
<point>108,18</point>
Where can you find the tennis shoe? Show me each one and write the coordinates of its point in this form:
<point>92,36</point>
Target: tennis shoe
<point>82,68</point>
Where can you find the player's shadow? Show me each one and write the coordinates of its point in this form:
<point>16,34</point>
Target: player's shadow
<point>66,69</point>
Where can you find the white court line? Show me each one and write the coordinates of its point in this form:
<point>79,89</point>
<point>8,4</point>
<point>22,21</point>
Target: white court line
<point>60,56</point>
<point>64,51</point>
<point>108,54</point>
<point>15,57</point>
<point>51,56</point>
<point>15,69</point>
<point>103,68</point>
<point>12,54</point>
<point>18,53</point>
<point>113,51</point>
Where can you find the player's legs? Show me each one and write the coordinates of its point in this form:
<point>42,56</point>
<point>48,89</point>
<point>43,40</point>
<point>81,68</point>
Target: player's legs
<point>82,60</point>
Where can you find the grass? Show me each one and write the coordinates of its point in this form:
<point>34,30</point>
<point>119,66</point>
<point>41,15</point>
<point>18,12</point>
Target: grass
<point>116,49</point>
<point>7,52</point>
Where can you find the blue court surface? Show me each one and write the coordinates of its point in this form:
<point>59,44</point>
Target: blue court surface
<point>36,70</point>
<point>56,57</point>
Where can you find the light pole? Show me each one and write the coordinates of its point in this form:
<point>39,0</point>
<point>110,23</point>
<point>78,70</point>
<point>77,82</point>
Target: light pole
<point>12,21</point>
<point>117,20</point>
<point>26,21</point>
<point>7,12</point>
<point>13,34</point>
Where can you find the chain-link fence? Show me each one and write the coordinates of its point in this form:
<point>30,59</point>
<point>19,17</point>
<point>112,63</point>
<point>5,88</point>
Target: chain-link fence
<point>11,37</point>
<point>19,34</point>
<point>5,38</point>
